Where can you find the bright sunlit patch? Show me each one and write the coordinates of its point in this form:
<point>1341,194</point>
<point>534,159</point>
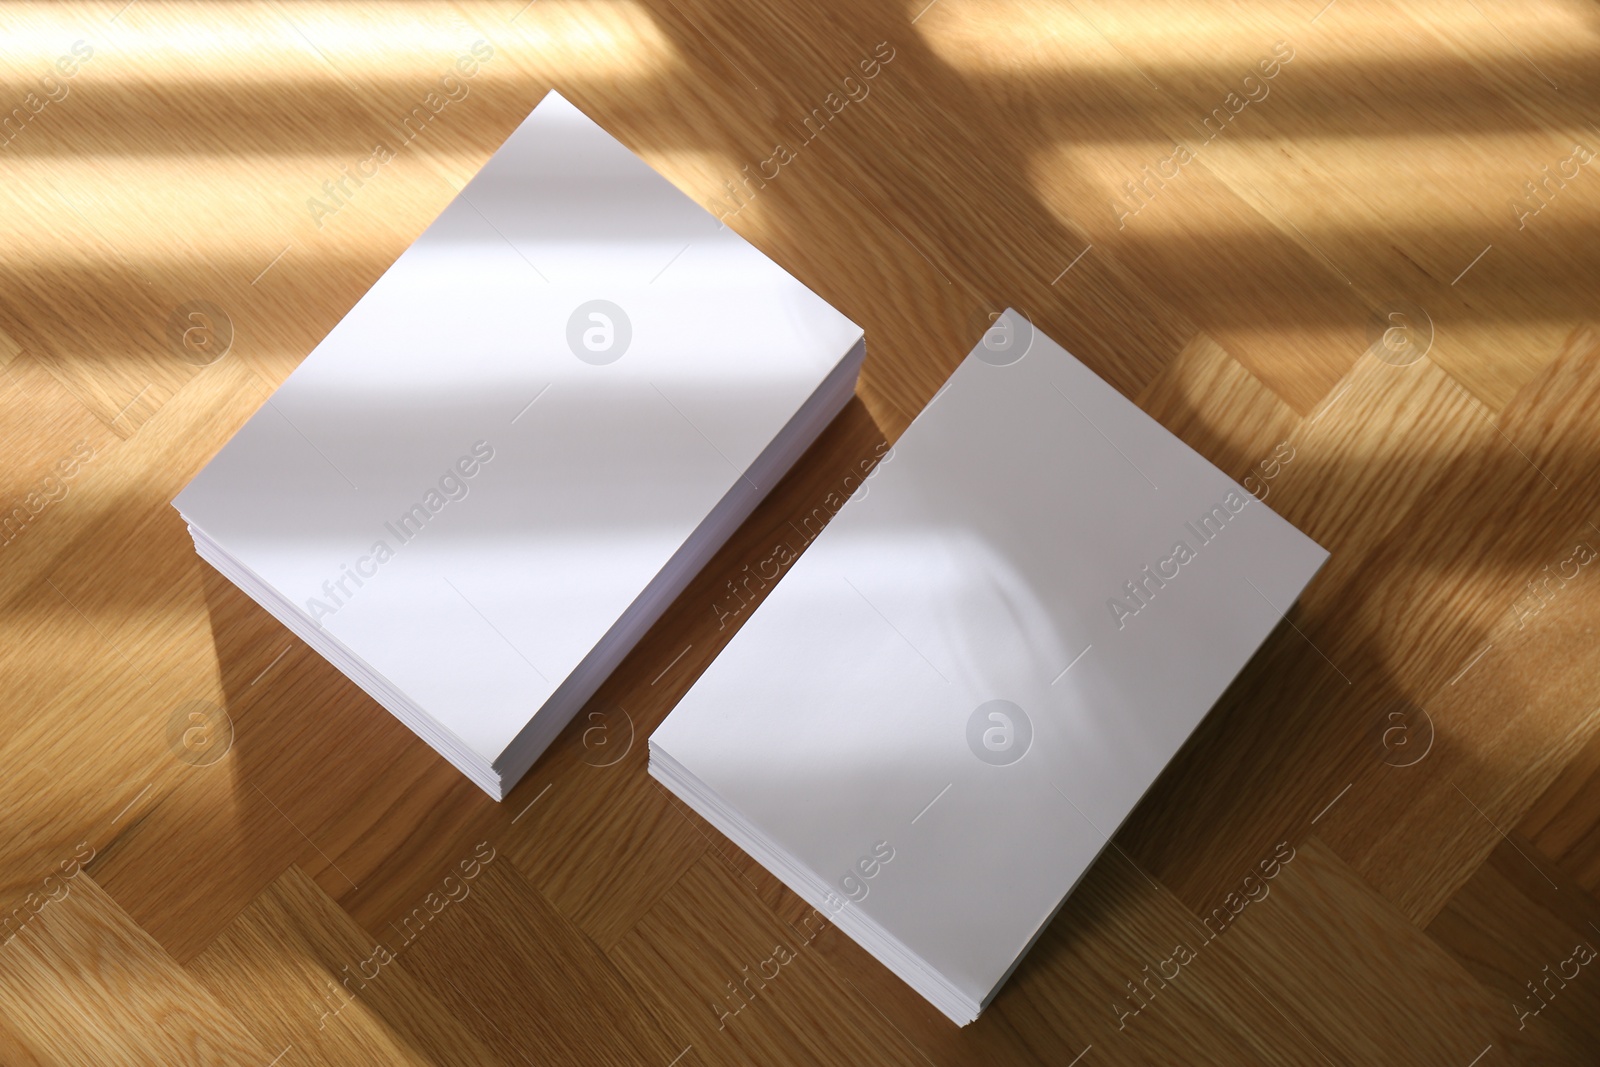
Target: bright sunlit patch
<point>230,42</point>
<point>620,39</point>
<point>1004,35</point>
<point>1334,182</point>
<point>1022,35</point>
<point>135,204</point>
<point>132,203</point>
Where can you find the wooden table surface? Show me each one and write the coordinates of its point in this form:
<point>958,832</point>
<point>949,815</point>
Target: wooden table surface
<point>1347,250</point>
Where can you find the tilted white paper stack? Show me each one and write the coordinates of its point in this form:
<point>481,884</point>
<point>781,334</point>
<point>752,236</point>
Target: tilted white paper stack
<point>493,475</point>
<point>932,724</point>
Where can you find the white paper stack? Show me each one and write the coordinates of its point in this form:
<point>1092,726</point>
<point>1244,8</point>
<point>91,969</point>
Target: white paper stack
<point>492,476</point>
<point>932,724</point>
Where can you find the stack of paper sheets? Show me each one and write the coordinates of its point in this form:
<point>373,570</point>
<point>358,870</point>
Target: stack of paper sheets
<point>493,475</point>
<point>930,727</point>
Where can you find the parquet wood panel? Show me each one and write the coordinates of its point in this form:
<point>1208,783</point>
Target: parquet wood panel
<point>1559,824</point>
<point>1422,731</point>
<point>750,990</point>
<point>501,957</point>
<point>364,1006</point>
<point>1517,926</point>
<point>83,984</point>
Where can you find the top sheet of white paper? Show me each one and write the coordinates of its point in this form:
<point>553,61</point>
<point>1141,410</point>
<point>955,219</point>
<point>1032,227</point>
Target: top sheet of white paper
<point>957,672</point>
<point>519,424</point>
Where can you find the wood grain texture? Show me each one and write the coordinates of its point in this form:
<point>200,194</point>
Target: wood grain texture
<point>1518,928</point>
<point>83,984</point>
<point>1218,206</point>
<point>363,1005</point>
